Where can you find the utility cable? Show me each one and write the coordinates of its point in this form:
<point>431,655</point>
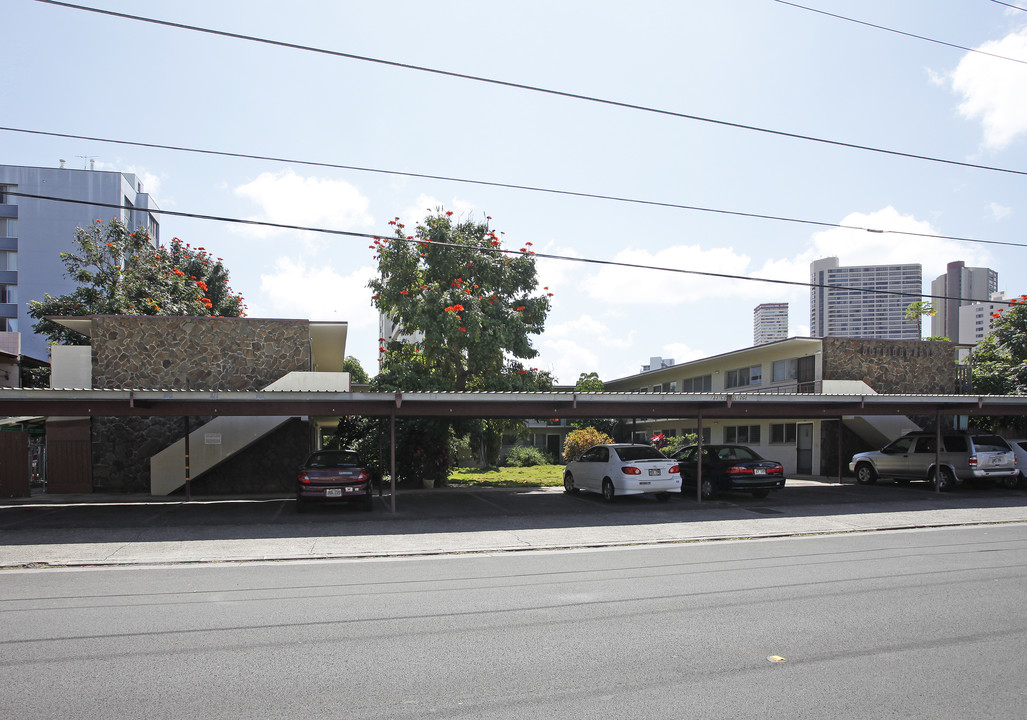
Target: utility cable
<point>537,89</point>
<point>513,186</point>
<point>1008,5</point>
<point>502,251</point>
<point>901,32</point>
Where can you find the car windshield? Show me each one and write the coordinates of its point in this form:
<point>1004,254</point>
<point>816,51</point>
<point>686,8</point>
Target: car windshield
<point>640,452</point>
<point>333,459</point>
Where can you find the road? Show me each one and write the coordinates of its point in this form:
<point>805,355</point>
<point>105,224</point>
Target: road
<point>924,624</point>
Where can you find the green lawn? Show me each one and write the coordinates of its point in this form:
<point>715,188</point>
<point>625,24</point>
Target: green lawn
<point>536,476</point>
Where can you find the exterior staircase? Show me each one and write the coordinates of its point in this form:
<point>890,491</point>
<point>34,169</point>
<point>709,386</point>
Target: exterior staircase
<point>223,437</point>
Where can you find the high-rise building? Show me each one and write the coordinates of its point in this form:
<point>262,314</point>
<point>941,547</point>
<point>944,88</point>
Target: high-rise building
<point>841,306</point>
<point>769,323</point>
<point>976,319</point>
<point>959,286</point>
<point>35,230</point>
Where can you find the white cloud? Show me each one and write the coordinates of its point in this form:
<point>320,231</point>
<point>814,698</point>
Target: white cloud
<point>294,289</point>
<point>999,212</point>
<point>681,352</point>
<point>640,286</point>
<point>565,358</point>
<point>994,91</point>
<point>292,199</point>
<point>860,247</point>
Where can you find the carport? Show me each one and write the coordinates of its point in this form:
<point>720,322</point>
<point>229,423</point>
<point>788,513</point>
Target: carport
<point>394,405</point>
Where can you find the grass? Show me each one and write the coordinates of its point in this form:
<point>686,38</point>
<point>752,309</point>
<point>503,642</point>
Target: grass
<point>535,476</point>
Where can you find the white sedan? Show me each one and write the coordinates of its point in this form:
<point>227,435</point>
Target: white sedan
<point>623,469</point>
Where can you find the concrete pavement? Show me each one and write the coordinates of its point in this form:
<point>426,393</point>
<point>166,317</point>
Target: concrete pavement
<point>97,530</point>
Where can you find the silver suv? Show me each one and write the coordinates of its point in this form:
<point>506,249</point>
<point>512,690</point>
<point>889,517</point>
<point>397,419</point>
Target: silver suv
<point>964,456</point>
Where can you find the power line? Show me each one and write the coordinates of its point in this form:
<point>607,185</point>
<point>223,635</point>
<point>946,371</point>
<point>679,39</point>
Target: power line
<point>500,251</point>
<point>533,88</point>
<point>1008,5</point>
<point>901,32</point>
<point>513,186</point>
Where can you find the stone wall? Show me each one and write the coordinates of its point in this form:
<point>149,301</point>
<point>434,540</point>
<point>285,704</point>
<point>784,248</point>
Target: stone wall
<point>906,367</point>
<point>196,353</point>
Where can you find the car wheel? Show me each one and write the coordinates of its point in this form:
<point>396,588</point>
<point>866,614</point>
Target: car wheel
<point>760,494</point>
<point>568,483</point>
<point>301,507</point>
<point>1011,482</point>
<point>662,497</point>
<point>865,474</point>
<point>609,493</point>
<point>943,480</point>
<point>707,489</point>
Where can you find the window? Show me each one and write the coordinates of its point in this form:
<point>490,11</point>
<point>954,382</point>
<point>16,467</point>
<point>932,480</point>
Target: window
<point>8,293</point>
<point>703,383</point>
<point>782,433</point>
<point>744,376</point>
<point>12,324</point>
<point>8,260</point>
<point>785,370</point>
<point>742,434</point>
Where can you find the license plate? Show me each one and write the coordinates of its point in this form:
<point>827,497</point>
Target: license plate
<point>759,471</point>
<point>333,492</point>
<point>654,471</point>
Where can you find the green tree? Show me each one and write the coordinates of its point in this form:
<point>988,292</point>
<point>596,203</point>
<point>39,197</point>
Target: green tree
<point>999,362</point>
<point>590,383</point>
<point>916,311</point>
<point>464,313</point>
<point>119,272</point>
<point>467,308</point>
<point>356,371</point>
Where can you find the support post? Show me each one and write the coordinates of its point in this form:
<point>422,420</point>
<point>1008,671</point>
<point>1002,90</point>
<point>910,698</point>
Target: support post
<point>937,450</point>
<point>392,468</point>
<point>698,459</point>
<point>188,480</point>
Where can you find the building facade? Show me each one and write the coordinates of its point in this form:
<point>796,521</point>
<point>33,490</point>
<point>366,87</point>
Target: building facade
<point>958,287</point>
<point>975,320</point>
<point>863,301</point>
<point>805,365</point>
<point>769,323</point>
<point>35,230</point>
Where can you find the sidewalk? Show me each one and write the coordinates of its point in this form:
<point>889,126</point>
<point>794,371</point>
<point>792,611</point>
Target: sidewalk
<point>93,530</point>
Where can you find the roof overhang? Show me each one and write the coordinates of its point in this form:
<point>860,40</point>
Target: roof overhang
<point>179,403</point>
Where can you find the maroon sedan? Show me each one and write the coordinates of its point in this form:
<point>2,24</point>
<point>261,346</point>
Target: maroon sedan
<point>334,476</point>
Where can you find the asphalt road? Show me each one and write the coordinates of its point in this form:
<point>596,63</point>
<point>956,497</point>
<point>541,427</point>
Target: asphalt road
<point>924,624</point>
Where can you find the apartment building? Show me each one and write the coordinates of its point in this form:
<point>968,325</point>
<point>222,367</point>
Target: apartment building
<point>958,287</point>
<point>769,323</point>
<point>36,227</point>
<point>863,301</point>
<point>804,365</point>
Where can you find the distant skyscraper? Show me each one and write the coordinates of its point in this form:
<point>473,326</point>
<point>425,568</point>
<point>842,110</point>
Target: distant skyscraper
<point>975,319</point>
<point>959,286</point>
<point>35,231</point>
<point>769,323</point>
<point>840,307</point>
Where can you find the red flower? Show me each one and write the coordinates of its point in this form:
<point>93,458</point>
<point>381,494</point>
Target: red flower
<point>463,329</point>
<point>520,307</point>
<point>449,213</point>
<point>404,292</point>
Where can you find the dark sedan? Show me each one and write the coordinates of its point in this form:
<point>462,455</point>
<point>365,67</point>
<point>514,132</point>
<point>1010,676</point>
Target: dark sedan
<point>334,476</point>
<point>730,468</point>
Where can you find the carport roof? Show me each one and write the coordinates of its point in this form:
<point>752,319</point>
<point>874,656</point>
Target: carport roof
<point>143,402</point>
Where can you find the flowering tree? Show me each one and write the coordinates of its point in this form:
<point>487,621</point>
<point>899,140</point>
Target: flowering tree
<point>463,306</point>
<point>121,273</point>
<point>465,312</point>
<point>578,441</point>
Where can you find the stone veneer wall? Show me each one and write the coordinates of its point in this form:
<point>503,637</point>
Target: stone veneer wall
<point>196,353</point>
<point>190,353</point>
<point>906,367</point>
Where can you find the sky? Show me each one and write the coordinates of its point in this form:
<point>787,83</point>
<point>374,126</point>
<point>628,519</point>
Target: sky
<point>715,78</point>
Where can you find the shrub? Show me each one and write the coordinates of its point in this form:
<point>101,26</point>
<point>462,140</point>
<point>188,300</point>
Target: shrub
<point>522,456</point>
<point>578,441</point>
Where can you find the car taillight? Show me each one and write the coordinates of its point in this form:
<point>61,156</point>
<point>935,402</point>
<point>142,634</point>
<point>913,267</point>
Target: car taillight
<point>973,461</point>
<point>630,470</point>
<point>738,470</point>
<point>364,476</point>
<point>674,469</point>
<point>303,478</point>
